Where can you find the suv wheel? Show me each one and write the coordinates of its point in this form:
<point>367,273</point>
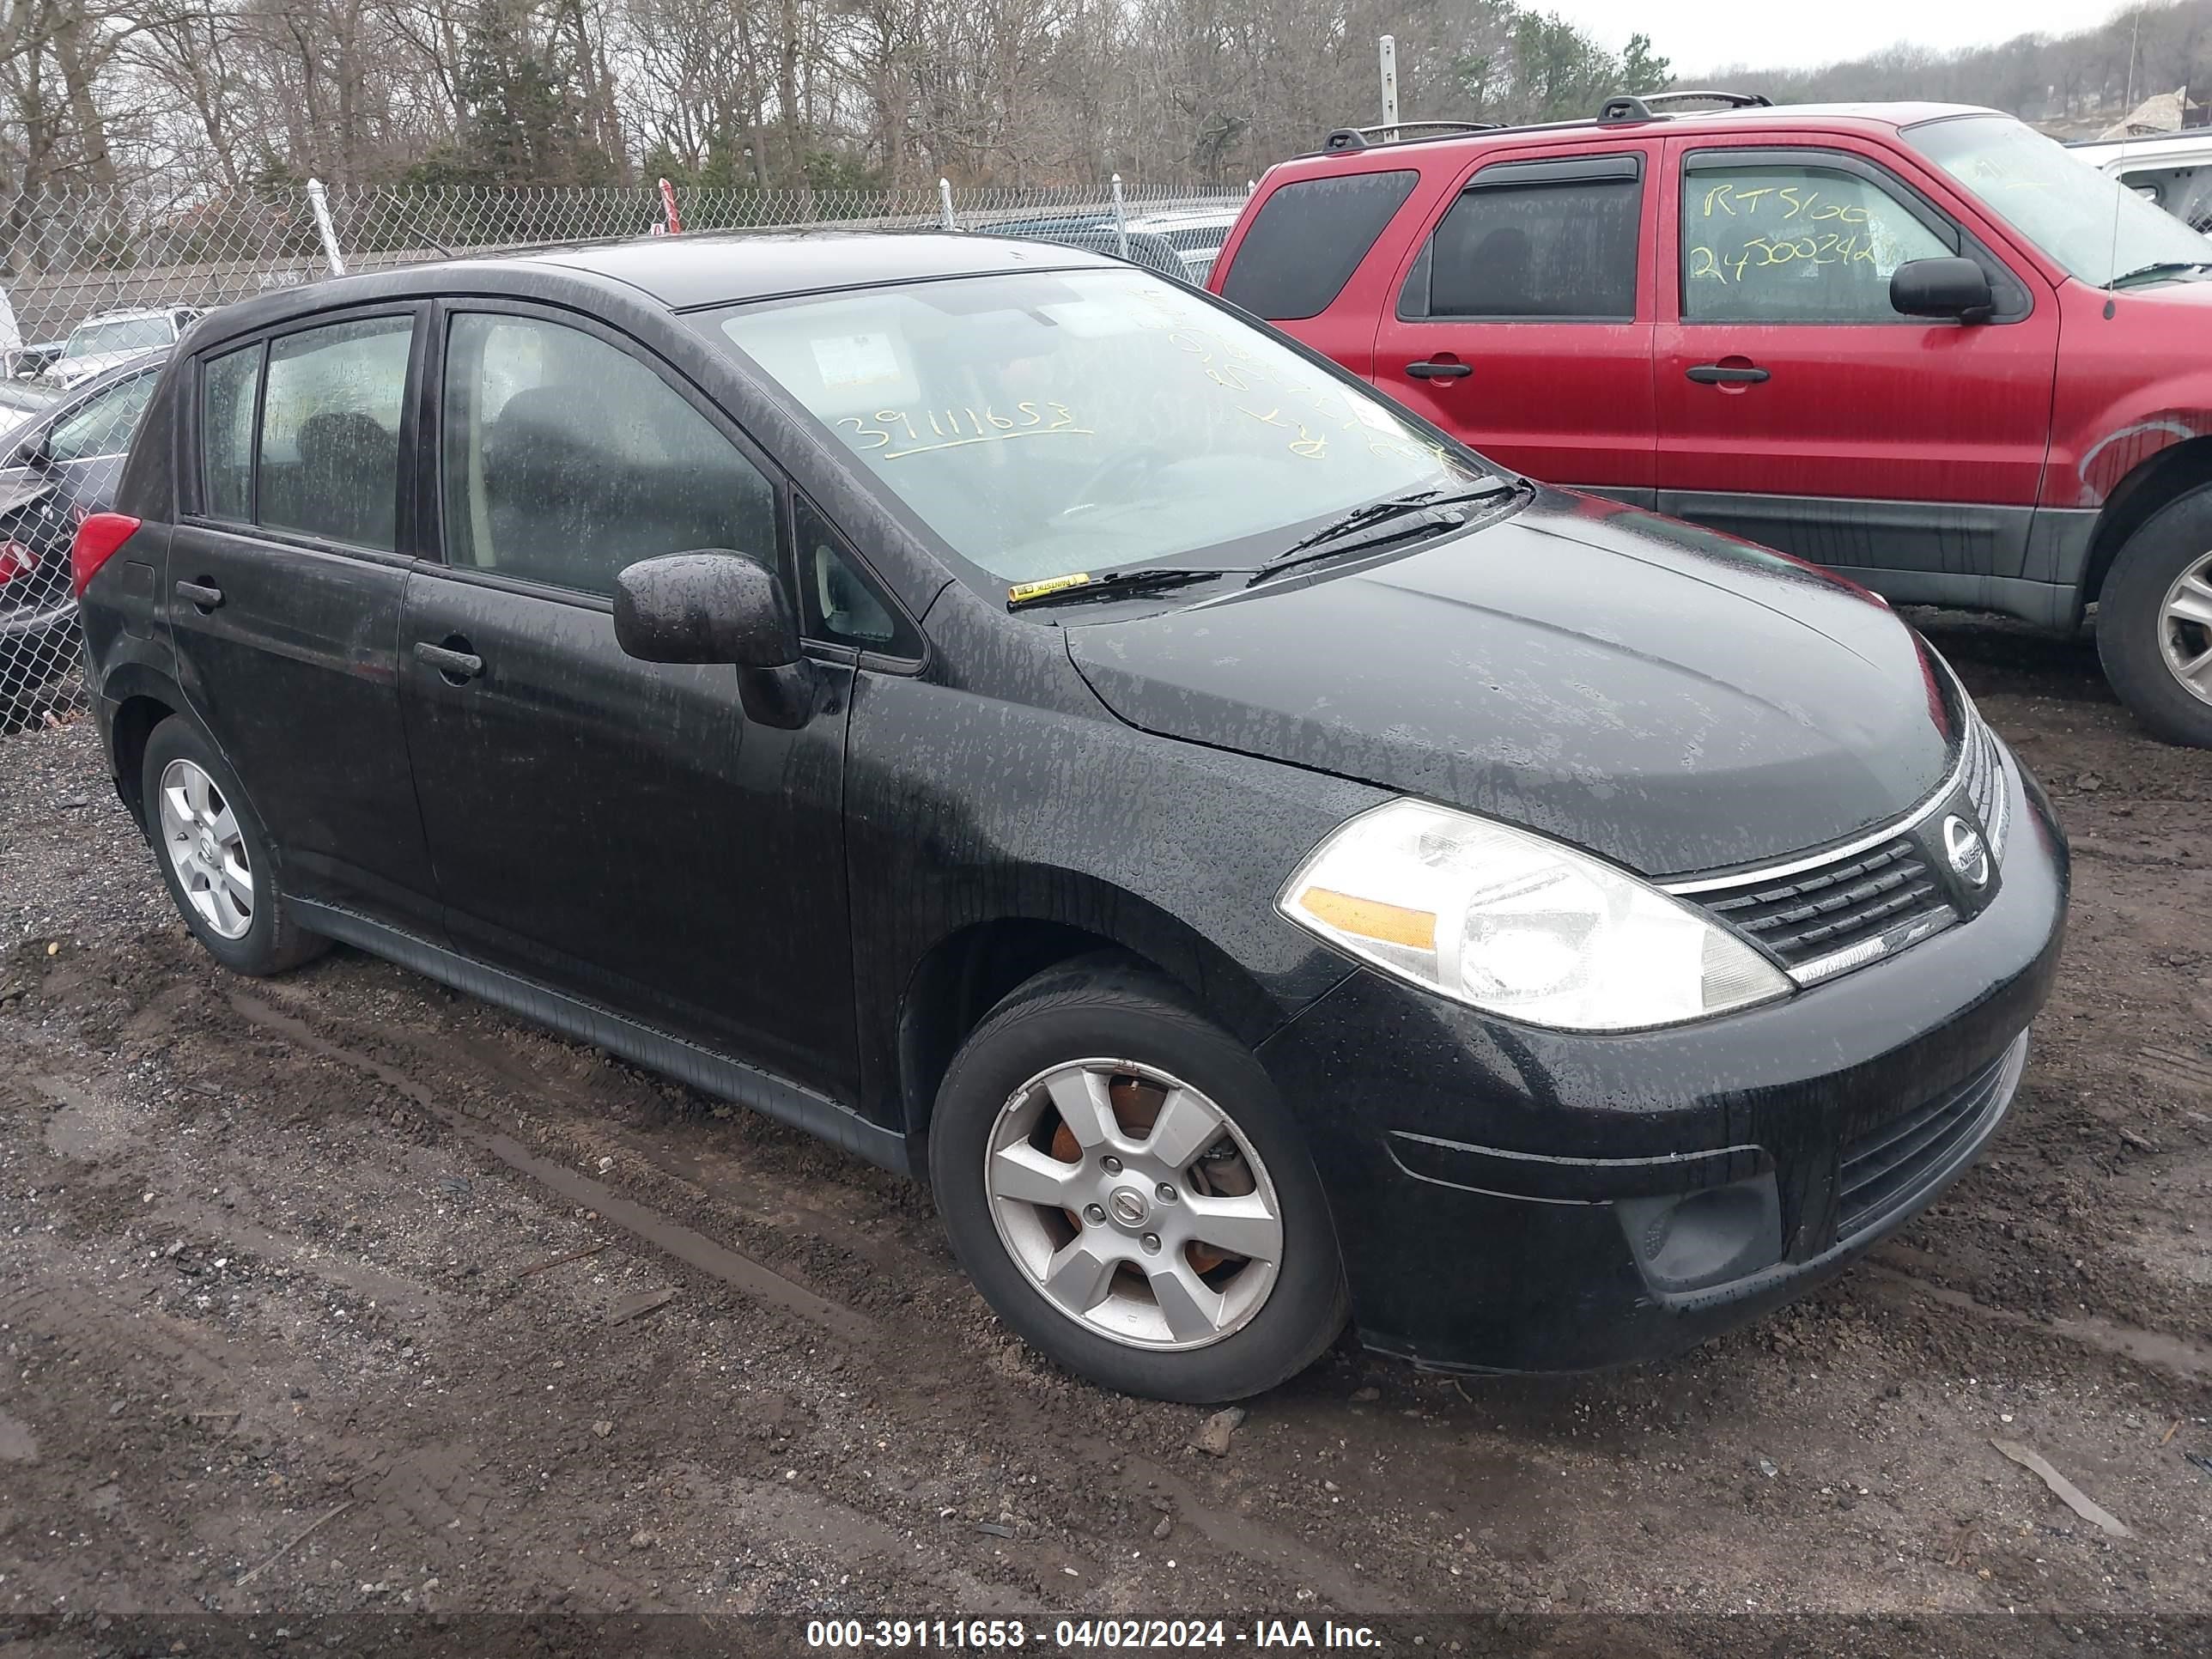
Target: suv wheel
<point>2155,620</point>
<point>215,856</point>
<point>1129,1192</point>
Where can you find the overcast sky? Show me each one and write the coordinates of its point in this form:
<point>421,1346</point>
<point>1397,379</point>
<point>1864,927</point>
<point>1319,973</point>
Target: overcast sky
<point>1699,34</point>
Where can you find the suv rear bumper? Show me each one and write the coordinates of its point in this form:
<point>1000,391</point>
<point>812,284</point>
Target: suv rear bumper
<point>1508,1198</point>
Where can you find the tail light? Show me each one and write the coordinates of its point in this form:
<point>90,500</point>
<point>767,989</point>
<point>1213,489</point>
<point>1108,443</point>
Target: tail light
<point>97,538</point>
<point>16,559</point>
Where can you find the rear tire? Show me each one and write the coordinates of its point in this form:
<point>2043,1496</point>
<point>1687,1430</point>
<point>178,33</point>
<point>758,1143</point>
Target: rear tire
<point>1174,1124</point>
<point>215,856</point>
<point>2154,621</point>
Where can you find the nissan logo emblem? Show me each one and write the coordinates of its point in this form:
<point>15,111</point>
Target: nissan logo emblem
<point>1968,852</point>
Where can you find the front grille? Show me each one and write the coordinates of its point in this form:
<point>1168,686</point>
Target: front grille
<point>1891,1165</point>
<point>1818,912</point>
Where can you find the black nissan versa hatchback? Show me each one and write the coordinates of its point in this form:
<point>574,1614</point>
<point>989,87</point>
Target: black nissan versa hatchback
<point>1022,720</point>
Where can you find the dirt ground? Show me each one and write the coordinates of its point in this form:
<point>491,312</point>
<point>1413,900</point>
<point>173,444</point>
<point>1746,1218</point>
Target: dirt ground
<point>343,1292</point>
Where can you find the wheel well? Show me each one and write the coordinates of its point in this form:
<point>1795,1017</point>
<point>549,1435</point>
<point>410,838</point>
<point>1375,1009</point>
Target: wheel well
<point>135,721</point>
<point>2171,472</point>
<point>962,980</point>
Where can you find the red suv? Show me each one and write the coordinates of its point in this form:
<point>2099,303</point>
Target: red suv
<point>1918,343</point>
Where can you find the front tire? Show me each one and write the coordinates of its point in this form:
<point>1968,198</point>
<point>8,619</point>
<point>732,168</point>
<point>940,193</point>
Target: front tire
<point>215,856</point>
<point>1128,1192</point>
<point>2154,621</point>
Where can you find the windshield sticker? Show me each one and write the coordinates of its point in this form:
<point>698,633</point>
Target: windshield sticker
<point>898,433</point>
<point>856,359</point>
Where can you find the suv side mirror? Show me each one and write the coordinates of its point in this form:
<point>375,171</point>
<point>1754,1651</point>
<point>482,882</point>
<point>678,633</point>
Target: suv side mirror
<point>709,606</point>
<point>1953,288</point>
<point>713,606</point>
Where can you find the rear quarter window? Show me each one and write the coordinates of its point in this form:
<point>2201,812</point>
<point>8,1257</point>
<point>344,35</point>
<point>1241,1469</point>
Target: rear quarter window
<point>1308,238</point>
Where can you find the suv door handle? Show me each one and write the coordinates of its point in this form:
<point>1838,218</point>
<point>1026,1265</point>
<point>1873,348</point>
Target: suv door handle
<point>1725,374</point>
<point>455,666</point>
<point>1427,371</point>
<point>201,594</point>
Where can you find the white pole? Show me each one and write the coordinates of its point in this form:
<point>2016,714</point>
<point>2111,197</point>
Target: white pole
<point>945,203</point>
<point>1389,52</point>
<point>318,200</point>
<point>1120,221</point>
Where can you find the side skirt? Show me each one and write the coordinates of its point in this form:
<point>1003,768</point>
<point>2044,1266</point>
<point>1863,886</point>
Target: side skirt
<point>585,1022</point>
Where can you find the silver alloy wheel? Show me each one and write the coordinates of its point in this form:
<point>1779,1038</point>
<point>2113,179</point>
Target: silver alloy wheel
<point>2185,629</point>
<point>1133,1239</point>
<point>205,848</point>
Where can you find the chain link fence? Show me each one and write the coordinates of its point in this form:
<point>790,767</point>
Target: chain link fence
<point>88,277</point>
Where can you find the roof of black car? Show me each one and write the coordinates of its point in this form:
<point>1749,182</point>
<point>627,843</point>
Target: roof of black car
<point>696,269</point>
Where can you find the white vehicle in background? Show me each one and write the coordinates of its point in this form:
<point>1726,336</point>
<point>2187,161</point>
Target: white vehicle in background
<point>2174,169</point>
<point>114,337</point>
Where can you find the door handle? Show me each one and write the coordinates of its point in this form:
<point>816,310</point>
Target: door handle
<point>1725,374</point>
<point>456,665</point>
<point>201,594</point>
<point>1426,371</point>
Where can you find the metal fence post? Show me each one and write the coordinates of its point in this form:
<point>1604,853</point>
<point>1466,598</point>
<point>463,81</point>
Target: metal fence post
<point>1120,221</point>
<point>945,204</point>
<point>318,200</point>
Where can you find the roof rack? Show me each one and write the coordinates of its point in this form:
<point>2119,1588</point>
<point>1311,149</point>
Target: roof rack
<point>1623,109</point>
<point>1627,107</point>
<point>1357,137</point>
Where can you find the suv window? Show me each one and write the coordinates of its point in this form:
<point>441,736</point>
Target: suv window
<point>1531,241</point>
<point>1794,243</point>
<point>1309,238</point>
<point>103,426</point>
<point>566,459</point>
<point>329,462</point>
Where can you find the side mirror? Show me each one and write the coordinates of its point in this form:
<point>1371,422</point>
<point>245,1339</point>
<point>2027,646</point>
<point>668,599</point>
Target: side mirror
<point>1955,288</point>
<point>705,607</point>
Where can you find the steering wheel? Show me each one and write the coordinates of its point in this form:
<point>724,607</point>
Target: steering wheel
<point>1122,473</point>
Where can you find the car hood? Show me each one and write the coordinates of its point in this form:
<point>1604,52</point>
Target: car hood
<point>1669,697</point>
<point>72,371</point>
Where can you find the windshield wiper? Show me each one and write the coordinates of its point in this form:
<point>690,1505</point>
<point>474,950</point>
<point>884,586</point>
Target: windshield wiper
<point>1069,590</point>
<point>2158,268</point>
<point>1343,534</point>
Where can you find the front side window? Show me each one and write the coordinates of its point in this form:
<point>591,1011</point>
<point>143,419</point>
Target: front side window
<point>1522,252</point>
<point>228,387</point>
<point>841,604</point>
<point>2100,231</point>
<point>1308,239</point>
<point>330,431</point>
<point>104,425</point>
<point>1794,243</point>
<point>1046,422</point>
<point>566,459</point>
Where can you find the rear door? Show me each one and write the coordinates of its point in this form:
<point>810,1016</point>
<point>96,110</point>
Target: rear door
<point>1523,323</point>
<point>286,571</point>
<point>1798,407</point>
<point>614,828</point>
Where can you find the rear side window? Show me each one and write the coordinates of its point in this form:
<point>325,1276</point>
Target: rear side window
<point>330,431</point>
<point>566,459</point>
<point>103,426</point>
<point>1308,239</point>
<point>1536,241</point>
<point>227,387</point>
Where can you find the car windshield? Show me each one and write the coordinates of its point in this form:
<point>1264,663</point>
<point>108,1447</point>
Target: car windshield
<point>1175,427</point>
<point>123,334</point>
<point>2092,224</point>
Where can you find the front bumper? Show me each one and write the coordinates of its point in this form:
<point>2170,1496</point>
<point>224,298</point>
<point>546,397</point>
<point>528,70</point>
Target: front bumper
<point>1510,1199</point>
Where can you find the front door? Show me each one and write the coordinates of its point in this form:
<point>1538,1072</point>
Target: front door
<point>1798,407</point>
<point>1522,326</point>
<point>616,827</point>
<point>285,575</point>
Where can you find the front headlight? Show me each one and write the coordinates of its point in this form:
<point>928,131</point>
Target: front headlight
<point>1518,925</point>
